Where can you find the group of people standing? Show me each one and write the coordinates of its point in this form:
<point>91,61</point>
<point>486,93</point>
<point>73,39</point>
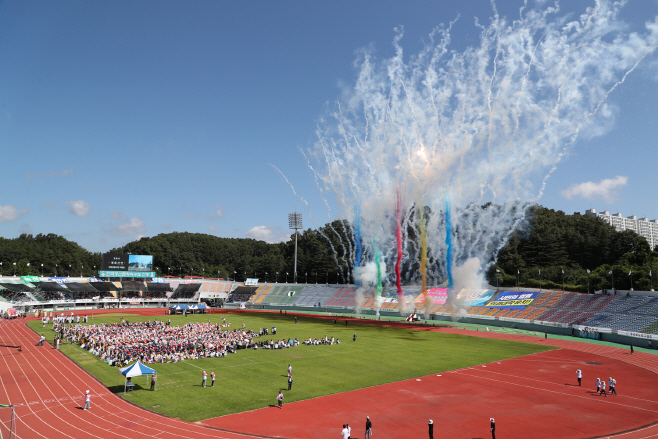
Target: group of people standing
<point>600,384</point>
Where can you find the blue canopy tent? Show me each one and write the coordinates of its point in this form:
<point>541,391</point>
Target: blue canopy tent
<point>200,307</point>
<point>178,308</point>
<point>135,370</point>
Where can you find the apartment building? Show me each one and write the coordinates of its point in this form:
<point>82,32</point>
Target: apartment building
<point>643,227</point>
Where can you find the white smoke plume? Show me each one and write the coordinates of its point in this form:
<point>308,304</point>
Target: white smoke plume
<point>486,124</point>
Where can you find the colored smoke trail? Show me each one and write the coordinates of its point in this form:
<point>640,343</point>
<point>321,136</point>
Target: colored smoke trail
<point>378,290</point>
<point>357,238</point>
<point>448,220</point>
<point>423,250</point>
<point>398,241</point>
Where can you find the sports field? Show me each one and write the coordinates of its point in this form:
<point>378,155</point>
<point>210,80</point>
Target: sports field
<point>251,379</point>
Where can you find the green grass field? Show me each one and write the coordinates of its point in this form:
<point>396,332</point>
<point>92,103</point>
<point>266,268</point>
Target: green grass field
<point>251,379</point>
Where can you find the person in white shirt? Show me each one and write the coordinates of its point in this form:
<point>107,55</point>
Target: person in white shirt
<point>349,431</point>
<point>603,389</point>
<point>598,385</point>
<point>579,375</point>
<point>344,432</point>
<point>87,401</point>
<point>612,383</point>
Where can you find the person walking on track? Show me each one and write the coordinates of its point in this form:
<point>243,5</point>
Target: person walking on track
<point>368,428</point>
<point>493,428</point>
<point>431,428</point>
<point>579,375</point>
<point>87,401</point>
<point>279,399</point>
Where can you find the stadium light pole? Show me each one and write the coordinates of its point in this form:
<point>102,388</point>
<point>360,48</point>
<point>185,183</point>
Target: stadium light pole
<point>266,277</point>
<point>316,278</point>
<point>276,277</point>
<point>69,270</point>
<point>0,269</point>
<point>295,222</point>
<point>14,269</point>
<point>82,267</point>
<point>55,270</point>
<point>41,270</point>
<point>286,277</point>
<point>306,280</point>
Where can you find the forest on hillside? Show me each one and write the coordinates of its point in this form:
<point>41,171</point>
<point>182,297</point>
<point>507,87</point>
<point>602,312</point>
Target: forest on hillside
<point>550,250</point>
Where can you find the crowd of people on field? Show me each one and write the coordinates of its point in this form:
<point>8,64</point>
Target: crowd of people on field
<point>119,344</point>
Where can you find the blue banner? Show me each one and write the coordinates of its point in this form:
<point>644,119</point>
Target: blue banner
<point>475,297</point>
<point>127,273</point>
<point>512,300</point>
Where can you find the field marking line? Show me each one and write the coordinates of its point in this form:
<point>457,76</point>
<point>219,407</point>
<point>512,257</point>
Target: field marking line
<point>559,393</point>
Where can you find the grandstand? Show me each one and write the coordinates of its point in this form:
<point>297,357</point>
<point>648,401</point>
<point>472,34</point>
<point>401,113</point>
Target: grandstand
<point>637,313</point>
<point>186,291</point>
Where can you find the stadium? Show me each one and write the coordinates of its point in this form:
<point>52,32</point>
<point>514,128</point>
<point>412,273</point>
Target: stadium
<point>478,355</point>
<point>147,141</point>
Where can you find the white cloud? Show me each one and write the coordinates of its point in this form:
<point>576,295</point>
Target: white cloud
<point>166,226</point>
<point>126,226</point>
<point>10,213</point>
<point>138,237</point>
<point>213,228</point>
<point>268,234</point>
<point>605,189</point>
<point>78,208</point>
<point>219,211</point>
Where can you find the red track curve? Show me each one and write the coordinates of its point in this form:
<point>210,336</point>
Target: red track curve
<point>47,389</point>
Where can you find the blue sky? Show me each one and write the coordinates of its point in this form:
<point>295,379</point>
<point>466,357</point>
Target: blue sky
<point>126,119</point>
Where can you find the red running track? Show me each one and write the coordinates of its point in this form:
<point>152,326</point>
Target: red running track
<point>530,397</point>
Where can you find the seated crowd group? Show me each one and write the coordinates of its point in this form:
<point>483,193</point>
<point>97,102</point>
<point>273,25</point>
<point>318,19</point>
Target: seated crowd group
<point>119,344</point>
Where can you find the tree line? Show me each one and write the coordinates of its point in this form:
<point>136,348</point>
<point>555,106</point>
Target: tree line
<point>552,249</point>
<point>580,252</point>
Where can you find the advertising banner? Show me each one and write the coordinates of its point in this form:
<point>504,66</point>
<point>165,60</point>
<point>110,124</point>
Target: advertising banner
<point>11,312</point>
<point>512,300</point>
<point>59,280</point>
<point>251,282</point>
<point>438,296</point>
<point>127,274</point>
<point>121,262</point>
<point>473,297</point>
<point>29,279</point>
<point>158,280</point>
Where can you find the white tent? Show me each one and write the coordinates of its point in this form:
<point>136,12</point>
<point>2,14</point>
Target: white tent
<point>135,370</point>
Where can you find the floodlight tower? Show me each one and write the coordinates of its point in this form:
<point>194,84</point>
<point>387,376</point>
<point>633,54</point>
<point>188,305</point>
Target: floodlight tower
<point>295,222</point>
